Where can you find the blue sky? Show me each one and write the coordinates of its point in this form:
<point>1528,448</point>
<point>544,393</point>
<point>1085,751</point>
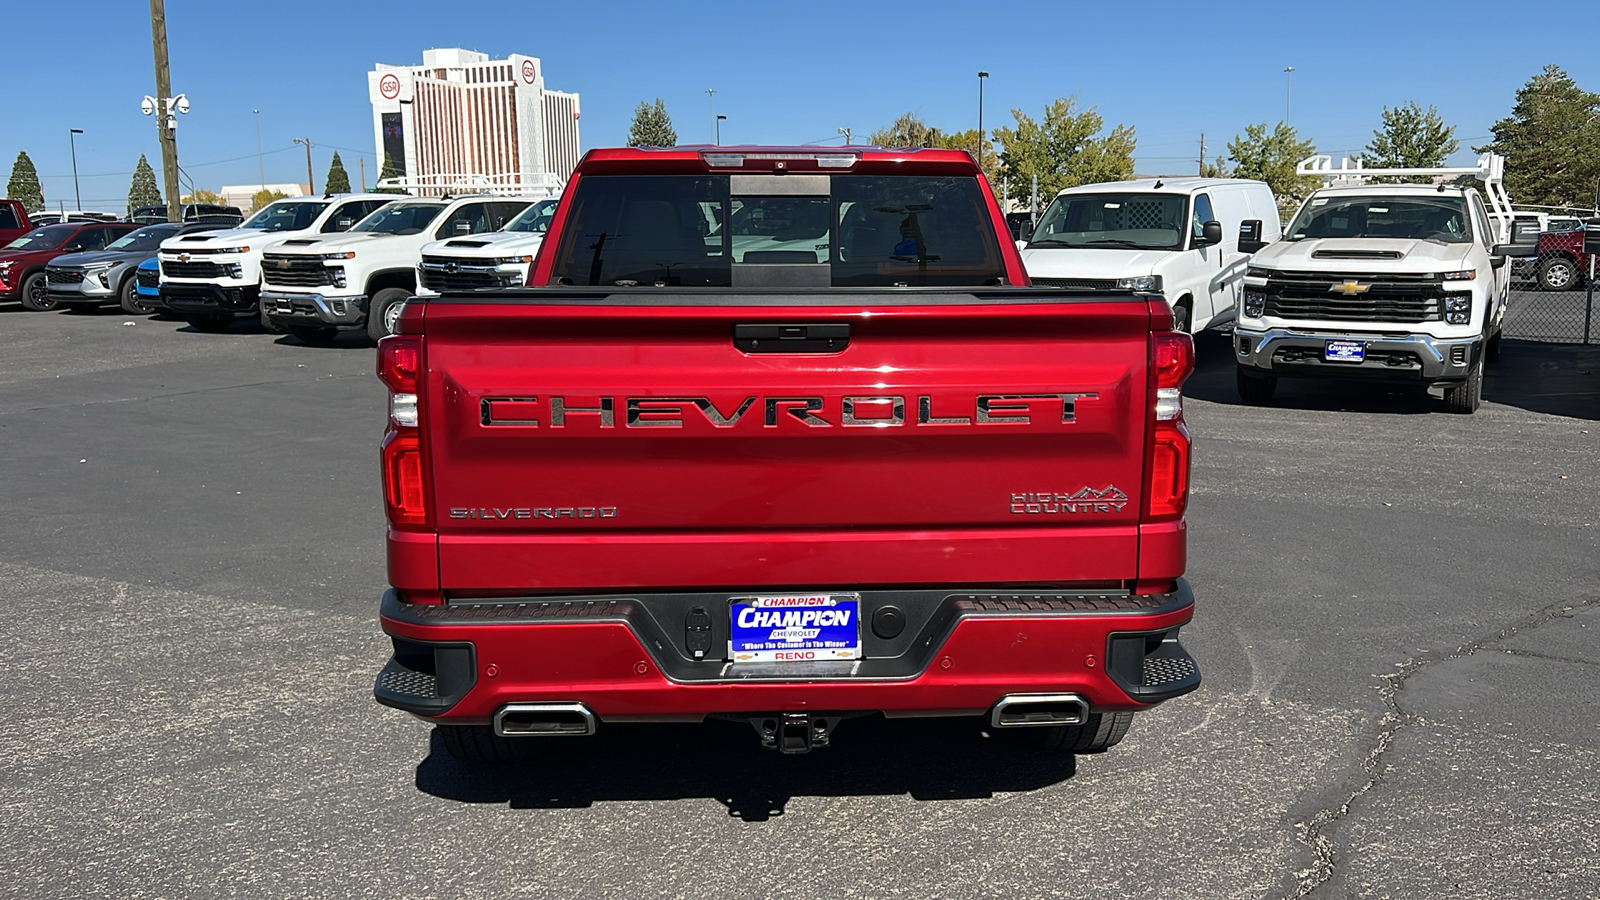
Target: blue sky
<point>784,72</point>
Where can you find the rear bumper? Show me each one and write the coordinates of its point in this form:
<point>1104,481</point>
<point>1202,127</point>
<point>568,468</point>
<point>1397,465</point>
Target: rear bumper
<point>623,657</point>
<point>207,298</point>
<point>314,309</point>
<point>1389,357</point>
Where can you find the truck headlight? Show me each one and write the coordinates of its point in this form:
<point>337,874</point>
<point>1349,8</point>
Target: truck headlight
<point>1458,308</point>
<point>513,260</point>
<point>235,270</point>
<point>1463,275</point>
<point>1255,303</point>
<point>337,273</point>
<point>1142,283</point>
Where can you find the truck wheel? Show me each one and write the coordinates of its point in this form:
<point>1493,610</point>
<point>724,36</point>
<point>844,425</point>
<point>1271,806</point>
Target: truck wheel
<point>269,326</point>
<point>1464,400</point>
<point>1558,274</point>
<point>209,324</point>
<point>1183,315</point>
<point>1255,388</point>
<point>313,334</point>
<point>1099,731</point>
<point>36,294</point>
<point>130,301</point>
<point>479,745</point>
<point>383,313</point>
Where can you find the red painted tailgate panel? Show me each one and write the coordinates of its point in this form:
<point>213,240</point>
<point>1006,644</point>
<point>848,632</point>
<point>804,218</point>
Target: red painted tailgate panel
<point>679,490</point>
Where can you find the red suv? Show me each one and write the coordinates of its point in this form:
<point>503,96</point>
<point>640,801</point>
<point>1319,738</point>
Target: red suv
<point>1563,266</point>
<point>23,261</point>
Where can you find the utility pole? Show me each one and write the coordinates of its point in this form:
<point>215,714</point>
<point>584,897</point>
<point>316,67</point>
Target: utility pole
<point>363,161</point>
<point>164,118</point>
<point>711,95</point>
<point>311,182</point>
<point>1202,153</point>
<point>846,133</point>
<point>72,134</point>
<point>1288,92</point>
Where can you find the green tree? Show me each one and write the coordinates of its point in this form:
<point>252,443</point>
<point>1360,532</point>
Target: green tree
<point>201,195</point>
<point>143,191</point>
<point>263,197</point>
<point>338,180</point>
<point>1218,169</point>
<point>24,183</point>
<point>1551,142</point>
<point>1272,157</point>
<point>652,127</point>
<point>1411,138</point>
<point>388,171</point>
<point>1066,149</point>
<point>909,131</point>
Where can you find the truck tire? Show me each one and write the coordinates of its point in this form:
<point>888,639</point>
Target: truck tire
<point>269,326</point>
<point>36,294</point>
<point>1464,400</point>
<point>128,298</point>
<point>1098,732</point>
<point>210,324</point>
<point>478,745</point>
<point>1254,388</point>
<point>383,312</point>
<point>1558,273</point>
<point>313,334</point>
<point>1183,315</point>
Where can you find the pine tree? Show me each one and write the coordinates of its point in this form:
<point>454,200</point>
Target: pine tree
<point>24,184</point>
<point>1411,139</point>
<point>388,171</point>
<point>143,190</point>
<point>338,180</point>
<point>652,127</point>
<point>1551,142</point>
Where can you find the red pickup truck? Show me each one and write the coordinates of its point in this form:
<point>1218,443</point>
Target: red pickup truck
<point>784,436</point>
<point>14,221</point>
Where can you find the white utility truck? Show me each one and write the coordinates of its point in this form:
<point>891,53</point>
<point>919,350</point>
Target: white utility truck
<point>1387,282</point>
<point>315,287</point>
<point>1188,239</point>
<point>499,259</point>
<point>211,278</point>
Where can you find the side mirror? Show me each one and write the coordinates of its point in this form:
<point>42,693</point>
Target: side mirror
<point>1022,245</point>
<point>1250,236</point>
<point>343,224</point>
<point>72,248</point>
<point>1591,236</point>
<point>1210,233</point>
<point>463,228</point>
<point>1500,252</point>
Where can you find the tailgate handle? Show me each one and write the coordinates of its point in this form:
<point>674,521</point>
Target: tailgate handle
<point>788,337</point>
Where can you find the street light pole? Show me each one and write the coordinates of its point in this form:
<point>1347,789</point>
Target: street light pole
<point>981,77</point>
<point>711,98</point>
<point>259,160</point>
<point>1288,92</point>
<point>72,142</point>
<point>720,120</point>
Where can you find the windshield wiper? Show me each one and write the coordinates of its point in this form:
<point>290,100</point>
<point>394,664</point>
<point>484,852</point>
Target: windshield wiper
<point>1049,242</point>
<point>1121,243</point>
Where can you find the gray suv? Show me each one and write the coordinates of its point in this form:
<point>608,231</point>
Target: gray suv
<point>83,281</point>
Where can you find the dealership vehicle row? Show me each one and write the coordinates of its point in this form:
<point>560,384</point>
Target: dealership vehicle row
<point>1399,283</point>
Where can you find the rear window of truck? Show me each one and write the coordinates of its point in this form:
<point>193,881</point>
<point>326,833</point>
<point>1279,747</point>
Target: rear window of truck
<point>729,231</point>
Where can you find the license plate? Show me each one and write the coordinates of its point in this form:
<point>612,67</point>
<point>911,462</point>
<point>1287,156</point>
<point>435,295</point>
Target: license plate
<point>1345,351</point>
<point>794,627</point>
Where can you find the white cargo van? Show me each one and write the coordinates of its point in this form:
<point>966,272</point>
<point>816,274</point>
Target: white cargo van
<point>1188,239</point>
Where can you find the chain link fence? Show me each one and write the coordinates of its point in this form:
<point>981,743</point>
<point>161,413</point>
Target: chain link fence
<point>1551,298</point>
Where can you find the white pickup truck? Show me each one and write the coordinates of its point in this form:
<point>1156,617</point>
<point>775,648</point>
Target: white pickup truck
<point>499,259</point>
<point>315,287</point>
<point>211,278</point>
<point>1403,283</point>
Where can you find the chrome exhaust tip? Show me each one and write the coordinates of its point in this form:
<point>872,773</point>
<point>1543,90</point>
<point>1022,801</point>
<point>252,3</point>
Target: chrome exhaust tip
<point>544,720</point>
<point>1023,710</point>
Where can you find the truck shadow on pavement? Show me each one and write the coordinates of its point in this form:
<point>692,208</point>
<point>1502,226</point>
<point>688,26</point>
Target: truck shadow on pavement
<point>1557,379</point>
<point>926,759</point>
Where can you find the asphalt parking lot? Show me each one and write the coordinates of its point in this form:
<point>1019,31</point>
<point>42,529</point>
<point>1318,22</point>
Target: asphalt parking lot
<point>1398,626</point>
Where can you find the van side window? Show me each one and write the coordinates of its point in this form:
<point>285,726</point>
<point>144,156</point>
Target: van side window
<point>1202,214</point>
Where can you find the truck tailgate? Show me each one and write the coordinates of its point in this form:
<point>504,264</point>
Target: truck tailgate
<point>602,447</point>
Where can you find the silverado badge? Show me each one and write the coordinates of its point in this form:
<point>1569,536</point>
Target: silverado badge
<point>1349,288</point>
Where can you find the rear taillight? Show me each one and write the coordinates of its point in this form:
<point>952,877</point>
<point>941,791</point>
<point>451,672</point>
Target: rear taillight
<point>405,493</point>
<point>1166,490</point>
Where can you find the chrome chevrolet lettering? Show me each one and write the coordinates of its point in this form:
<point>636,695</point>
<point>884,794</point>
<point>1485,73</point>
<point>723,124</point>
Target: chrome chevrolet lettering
<point>854,411</point>
<point>533,512</point>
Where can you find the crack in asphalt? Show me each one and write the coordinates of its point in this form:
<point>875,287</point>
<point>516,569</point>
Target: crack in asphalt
<point>1312,833</point>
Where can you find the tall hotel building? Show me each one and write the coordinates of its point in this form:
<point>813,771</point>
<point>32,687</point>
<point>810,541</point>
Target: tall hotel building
<point>462,113</point>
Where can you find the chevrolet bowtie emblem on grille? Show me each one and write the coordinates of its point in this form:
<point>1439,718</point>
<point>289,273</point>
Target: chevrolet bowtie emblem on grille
<point>1349,288</point>
<point>283,264</point>
<point>183,257</point>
